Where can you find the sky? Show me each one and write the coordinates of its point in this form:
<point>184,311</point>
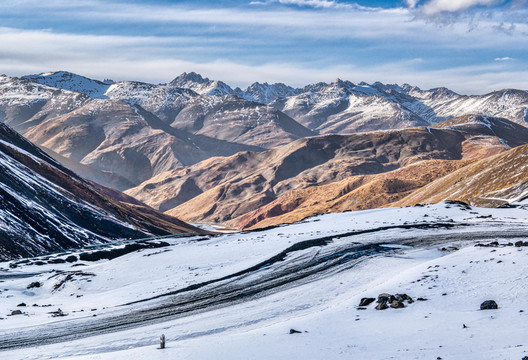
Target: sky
<point>469,46</point>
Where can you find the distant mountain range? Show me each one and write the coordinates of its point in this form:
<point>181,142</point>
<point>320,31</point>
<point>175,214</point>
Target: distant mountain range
<point>201,150</point>
<point>326,173</point>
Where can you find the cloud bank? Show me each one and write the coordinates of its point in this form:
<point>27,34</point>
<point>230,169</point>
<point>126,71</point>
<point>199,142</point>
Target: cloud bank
<point>273,43</point>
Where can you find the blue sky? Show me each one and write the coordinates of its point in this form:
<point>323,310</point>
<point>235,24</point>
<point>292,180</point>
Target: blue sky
<point>470,46</point>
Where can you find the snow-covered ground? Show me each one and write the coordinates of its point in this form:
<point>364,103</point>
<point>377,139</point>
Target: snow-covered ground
<point>310,277</point>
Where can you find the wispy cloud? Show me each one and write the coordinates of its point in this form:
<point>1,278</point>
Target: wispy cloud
<point>506,58</point>
<point>309,3</point>
<point>431,7</point>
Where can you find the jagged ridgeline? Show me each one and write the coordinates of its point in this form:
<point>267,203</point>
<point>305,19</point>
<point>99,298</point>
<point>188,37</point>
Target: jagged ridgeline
<point>203,151</point>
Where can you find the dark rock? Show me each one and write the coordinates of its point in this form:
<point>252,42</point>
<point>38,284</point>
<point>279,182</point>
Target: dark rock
<point>397,304</point>
<point>16,312</point>
<point>366,301</point>
<point>489,305</point>
<point>34,284</point>
<point>461,204</point>
<point>382,306</point>
<point>71,258</point>
<point>56,261</point>
<point>13,266</point>
<point>21,304</point>
<point>383,297</point>
<point>293,331</point>
<point>464,326</point>
<point>405,297</point>
<point>421,299</point>
<point>39,263</point>
<point>520,243</point>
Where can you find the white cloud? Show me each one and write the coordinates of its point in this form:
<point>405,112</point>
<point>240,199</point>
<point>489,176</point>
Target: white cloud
<point>130,58</point>
<point>506,58</point>
<point>432,7</point>
<point>310,3</point>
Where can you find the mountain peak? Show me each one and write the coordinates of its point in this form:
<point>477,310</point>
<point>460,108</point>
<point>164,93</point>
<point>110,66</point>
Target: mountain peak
<point>69,81</point>
<point>186,77</point>
<point>201,85</point>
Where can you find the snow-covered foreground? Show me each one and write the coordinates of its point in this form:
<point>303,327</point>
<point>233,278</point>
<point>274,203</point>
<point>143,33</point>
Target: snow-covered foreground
<point>236,296</point>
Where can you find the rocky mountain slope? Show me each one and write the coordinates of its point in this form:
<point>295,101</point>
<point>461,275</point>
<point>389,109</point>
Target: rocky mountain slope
<point>24,104</point>
<point>45,207</point>
<point>233,119</point>
<point>229,190</point>
<point>497,180</point>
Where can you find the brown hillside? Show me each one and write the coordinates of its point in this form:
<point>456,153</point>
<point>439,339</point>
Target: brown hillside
<point>354,193</point>
<point>490,182</point>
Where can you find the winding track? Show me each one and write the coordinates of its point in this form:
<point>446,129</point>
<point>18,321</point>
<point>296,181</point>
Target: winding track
<point>300,264</point>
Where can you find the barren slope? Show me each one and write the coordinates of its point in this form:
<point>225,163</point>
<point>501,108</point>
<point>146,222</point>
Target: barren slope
<point>494,181</point>
<point>354,193</point>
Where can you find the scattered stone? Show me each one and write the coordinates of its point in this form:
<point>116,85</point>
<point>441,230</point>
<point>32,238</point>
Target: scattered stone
<point>520,243</point>
<point>34,284</point>
<point>293,331</point>
<point>16,312</point>
<point>382,306</point>
<point>383,297</point>
<point>58,313</point>
<point>361,308</point>
<point>489,305</point>
<point>71,258</point>
<point>21,305</point>
<point>444,294</point>
<point>397,304</point>
<point>464,326</point>
<point>366,301</point>
<point>421,299</point>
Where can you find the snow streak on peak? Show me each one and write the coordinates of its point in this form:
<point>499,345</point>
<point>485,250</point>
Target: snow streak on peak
<point>73,82</point>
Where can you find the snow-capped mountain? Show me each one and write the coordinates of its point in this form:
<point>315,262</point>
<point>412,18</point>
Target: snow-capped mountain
<point>73,82</point>
<point>266,93</point>
<point>343,107</point>
<point>201,85</point>
<point>233,119</point>
<point>24,103</point>
<point>45,207</point>
<point>165,101</point>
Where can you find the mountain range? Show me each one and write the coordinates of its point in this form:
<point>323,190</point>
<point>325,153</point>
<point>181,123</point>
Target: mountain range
<point>202,151</point>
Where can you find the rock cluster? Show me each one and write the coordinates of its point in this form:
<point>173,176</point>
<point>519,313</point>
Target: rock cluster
<point>386,300</point>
